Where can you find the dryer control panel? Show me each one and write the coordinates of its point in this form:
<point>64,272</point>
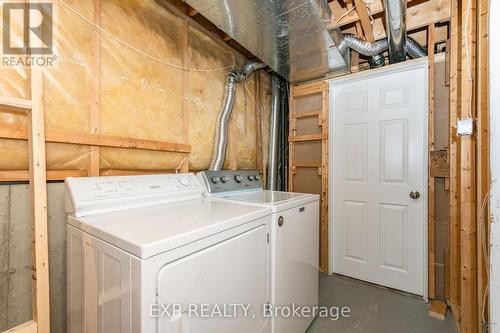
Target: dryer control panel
<point>230,180</point>
<point>91,195</point>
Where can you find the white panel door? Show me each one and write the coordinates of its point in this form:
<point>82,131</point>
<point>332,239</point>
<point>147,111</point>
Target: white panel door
<point>378,153</point>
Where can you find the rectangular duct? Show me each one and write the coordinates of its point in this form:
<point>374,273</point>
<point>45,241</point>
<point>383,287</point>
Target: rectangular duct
<point>290,36</point>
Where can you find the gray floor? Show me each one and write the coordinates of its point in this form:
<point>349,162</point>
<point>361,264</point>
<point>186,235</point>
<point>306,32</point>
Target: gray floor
<point>375,309</point>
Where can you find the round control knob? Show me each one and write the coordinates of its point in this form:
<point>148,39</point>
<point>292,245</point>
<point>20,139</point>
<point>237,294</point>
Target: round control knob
<point>238,178</point>
<point>215,179</point>
<point>250,178</point>
<point>256,177</point>
<point>224,179</point>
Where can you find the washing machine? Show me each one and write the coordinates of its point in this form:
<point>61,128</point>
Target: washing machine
<point>151,254</point>
<point>294,242</point>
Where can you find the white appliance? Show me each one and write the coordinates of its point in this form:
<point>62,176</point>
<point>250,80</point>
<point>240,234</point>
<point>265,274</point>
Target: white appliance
<point>294,240</point>
<point>141,245</point>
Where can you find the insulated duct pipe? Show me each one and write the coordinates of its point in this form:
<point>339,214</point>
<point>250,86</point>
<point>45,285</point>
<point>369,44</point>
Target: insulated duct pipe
<point>412,47</point>
<point>232,79</point>
<point>395,18</point>
<point>272,172</point>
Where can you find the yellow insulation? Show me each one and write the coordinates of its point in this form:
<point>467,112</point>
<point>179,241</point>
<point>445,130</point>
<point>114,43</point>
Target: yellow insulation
<point>134,74</point>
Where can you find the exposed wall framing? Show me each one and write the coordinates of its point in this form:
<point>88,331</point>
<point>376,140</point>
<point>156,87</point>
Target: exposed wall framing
<point>308,169</point>
<point>37,181</point>
<point>469,173</point>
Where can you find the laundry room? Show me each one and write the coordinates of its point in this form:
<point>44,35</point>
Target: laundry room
<point>281,166</point>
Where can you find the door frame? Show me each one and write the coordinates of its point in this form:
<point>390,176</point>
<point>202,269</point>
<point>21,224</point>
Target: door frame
<point>421,63</point>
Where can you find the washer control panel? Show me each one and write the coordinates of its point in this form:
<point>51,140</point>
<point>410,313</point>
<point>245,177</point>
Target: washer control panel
<point>229,180</point>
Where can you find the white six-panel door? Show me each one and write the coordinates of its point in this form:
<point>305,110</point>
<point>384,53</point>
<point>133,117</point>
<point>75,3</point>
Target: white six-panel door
<point>378,155</point>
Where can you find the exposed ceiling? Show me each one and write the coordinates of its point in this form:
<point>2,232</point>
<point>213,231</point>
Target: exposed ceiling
<point>290,36</point>
<point>420,14</point>
<point>366,18</point>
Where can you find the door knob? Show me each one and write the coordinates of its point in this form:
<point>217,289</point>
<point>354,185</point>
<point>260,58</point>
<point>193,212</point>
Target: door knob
<point>415,194</point>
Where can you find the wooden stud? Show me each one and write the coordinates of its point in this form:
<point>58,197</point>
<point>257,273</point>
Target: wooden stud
<point>483,174</point>
<point>10,131</point>
<point>308,137</point>
<point>468,262</point>
<point>454,183</point>
<point>364,17</point>
<point>14,105</point>
<point>292,133</point>
<point>36,143</point>
<point>431,183</point>
<point>233,138</point>
<point>438,309</point>
<point>262,93</point>
<point>23,175</point>
<point>439,166</point>
<point>186,62</point>
<point>324,183</point>
<point>258,125</point>
<point>308,114</point>
<point>307,164</point>
<point>307,89</point>
<point>95,95</point>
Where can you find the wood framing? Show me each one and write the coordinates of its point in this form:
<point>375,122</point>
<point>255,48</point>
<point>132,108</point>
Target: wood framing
<point>14,105</point>
<point>419,14</point>
<point>431,182</point>
<point>38,188</point>
<point>23,175</point>
<point>483,153</point>
<point>9,131</point>
<point>438,309</point>
<point>454,232</point>
<point>297,162</point>
<point>468,262</point>
<point>95,95</point>
<point>364,17</point>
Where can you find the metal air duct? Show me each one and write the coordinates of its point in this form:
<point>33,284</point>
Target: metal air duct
<point>272,172</point>
<point>221,133</point>
<point>395,18</point>
<point>290,36</point>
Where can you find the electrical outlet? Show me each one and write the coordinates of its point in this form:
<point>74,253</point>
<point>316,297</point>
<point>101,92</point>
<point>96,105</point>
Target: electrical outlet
<point>465,127</point>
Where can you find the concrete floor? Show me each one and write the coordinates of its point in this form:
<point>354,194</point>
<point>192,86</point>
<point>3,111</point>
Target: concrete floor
<point>375,309</point>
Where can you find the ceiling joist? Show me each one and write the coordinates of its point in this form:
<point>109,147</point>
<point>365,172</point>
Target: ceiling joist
<point>419,14</point>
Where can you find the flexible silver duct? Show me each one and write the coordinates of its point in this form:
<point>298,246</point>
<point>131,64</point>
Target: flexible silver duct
<point>395,18</point>
<point>362,46</point>
<point>273,137</point>
<point>412,47</point>
<point>232,79</point>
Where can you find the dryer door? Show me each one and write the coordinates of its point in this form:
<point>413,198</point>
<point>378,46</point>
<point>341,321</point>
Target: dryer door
<point>215,286</point>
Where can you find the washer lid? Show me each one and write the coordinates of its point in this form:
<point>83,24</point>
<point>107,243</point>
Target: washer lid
<point>148,231</point>
<point>277,200</point>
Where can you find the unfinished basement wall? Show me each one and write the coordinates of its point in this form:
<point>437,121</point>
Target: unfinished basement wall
<point>126,82</point>
<point>441,190</point>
